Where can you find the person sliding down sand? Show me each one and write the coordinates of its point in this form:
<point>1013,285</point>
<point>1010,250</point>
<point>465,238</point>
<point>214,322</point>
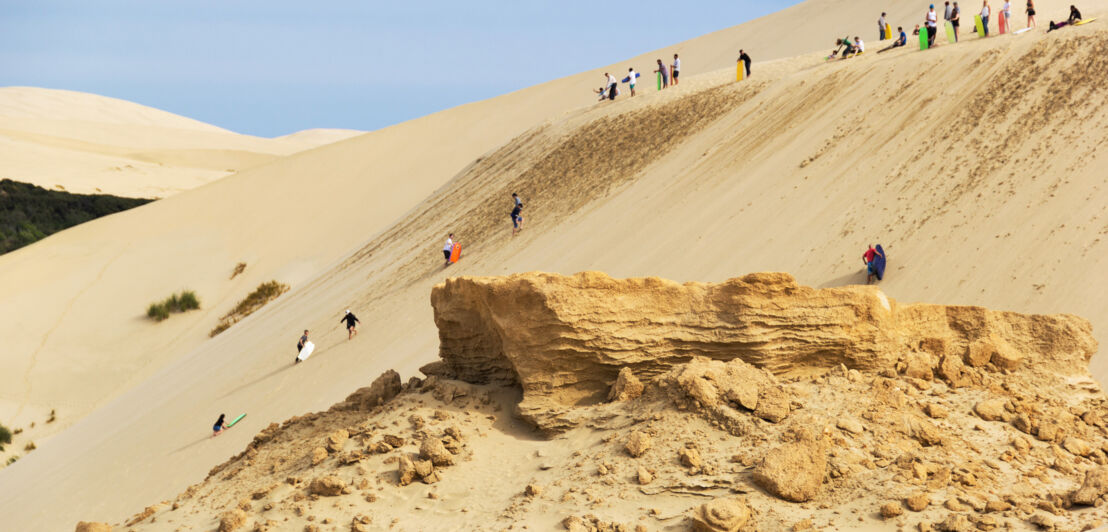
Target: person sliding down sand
<point>845,45</point>
<point>218,428</point>
<point>900,41</point>
<point>351,324</point>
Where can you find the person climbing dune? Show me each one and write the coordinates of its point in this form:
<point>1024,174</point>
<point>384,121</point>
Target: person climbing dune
<point>448,248</point>
<point>517,219</point>
<point>219,426</point>
<point>351,324</point>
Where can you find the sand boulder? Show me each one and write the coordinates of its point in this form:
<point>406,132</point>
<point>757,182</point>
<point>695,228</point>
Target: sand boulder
<point>93,527</point>
<point>328,486</point>
<point>638,443</point>
<point>433,449</point>
<point>232,520</point>
<point>626,387</point>
<point>1092,488</point>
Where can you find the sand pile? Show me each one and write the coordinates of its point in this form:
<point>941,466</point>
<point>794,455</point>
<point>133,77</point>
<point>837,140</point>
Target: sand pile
<point>967,419</point>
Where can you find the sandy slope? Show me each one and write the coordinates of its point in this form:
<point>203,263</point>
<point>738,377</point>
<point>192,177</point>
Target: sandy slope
<point>793,171</point>
<point>87,143</point>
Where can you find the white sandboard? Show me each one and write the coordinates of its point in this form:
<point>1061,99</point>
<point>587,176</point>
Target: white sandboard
<point>1017,32</point>
<point>306,352</point>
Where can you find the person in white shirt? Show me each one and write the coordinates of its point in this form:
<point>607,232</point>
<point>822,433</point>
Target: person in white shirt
<point>859,46</point>
<point>611,84</point>
<point>632,79</point>
<point>931,22</point>
<point>881,28</point>
<point>448,248</point>
<point>676,68</point>
<point>1006,12</point>
<point>985,12</point>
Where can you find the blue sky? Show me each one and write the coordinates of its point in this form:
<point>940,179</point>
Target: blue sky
<point>273,67</point>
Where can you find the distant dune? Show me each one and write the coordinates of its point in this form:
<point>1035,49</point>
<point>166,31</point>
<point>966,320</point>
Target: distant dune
<point>978,166</point>
<point>85,143</point>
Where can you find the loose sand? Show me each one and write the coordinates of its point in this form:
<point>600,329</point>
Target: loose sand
<point>975,165</point>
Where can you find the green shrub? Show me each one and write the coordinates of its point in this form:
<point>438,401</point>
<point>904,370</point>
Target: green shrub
<point>182,302</point>
<point>261,295</point>
<point>5,437</point>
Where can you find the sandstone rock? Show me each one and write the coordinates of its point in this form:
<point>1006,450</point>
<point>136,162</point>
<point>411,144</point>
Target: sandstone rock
<point>393,440</point>
<point>424,469</point>
<point>918,502</point>
<point>990,410</point>
<point>721,515</point>
<point>645,476</point>
<point>890,510</point>
<point>84,526</point>
<point>336,440</point>
<point>1093,487</point>
<point>936,411</point>
<point>850,425</point>
<point>793,471</point>
<point>319,454</point>
<point>626,387</point>
<point>1042,520</point>
<point>923,430</point>
<point>328,486</point>
<point>638,443</point>
<point>773,404</point>
<point>532,490</point>
<point>956,523</point>
<point>980,352</point>
<point>652,325</point>
<point>1077,446</point>
<point>919,365</point>
<point>997,505</point>
<point>690,458</point>
<point>432,449</point>
<point>406,469</point>
<point>232,520</point>
<point>381,391</point>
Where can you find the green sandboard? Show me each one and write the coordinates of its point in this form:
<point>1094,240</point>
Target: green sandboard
<point>236,420</point>
<point>950,33</point>
<point>980,27</point>
<point>923,38</point>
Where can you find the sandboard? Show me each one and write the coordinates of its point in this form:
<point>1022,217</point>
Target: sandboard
<point>1002,23</point>
<point>628,78</point>
<point>950,37</point>
<point>888,31</point>
<point>1084,21</point>
<point>978,24</point>
<point>1017,32</point>
<point>923,38</point>
<point>236,420</point>
<point>740,70</point>
<point>879,262</point>
<point>306,351</point>
<point>455,253</point>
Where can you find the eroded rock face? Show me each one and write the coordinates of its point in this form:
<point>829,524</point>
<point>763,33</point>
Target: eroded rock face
<point>564,339</point>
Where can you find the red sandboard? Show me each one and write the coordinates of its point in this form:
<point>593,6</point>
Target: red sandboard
<point>455,253</point>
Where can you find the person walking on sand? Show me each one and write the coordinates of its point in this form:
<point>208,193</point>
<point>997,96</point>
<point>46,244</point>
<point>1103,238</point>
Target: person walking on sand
<point>746,62</point>
<point>1006,12</point>
<point>881,28</point>
<point>448,248</point>
<point>351,324</point>
<point>1030,13</point>
<point>676,69</point>
<point>632,78</point>
<point>868,258</point>
<point>517,219</point>
<point>302,342</point>
<point>985,12</point>
<point>219,427</point>
<point>516,200</point>
<point>665,74</point>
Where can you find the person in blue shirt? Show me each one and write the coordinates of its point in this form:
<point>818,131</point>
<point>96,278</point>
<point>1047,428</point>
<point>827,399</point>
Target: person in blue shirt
<point>900,41</point>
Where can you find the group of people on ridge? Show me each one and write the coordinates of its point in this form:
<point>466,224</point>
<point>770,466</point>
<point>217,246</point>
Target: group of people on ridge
<point>611,86</point>
<point>953,16</point>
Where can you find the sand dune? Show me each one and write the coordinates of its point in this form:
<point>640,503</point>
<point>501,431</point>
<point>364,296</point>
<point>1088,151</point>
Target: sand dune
<point>966,173</point>
<point>87,143</point>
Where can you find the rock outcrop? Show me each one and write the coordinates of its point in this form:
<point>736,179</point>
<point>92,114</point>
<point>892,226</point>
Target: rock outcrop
<point>564,339</point>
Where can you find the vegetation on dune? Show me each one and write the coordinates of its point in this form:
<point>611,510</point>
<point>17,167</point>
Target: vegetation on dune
<point>239,268</point>
<point>182,302</point>
<point>5,436</point>
<point>29,213</point>
<point>261,295</point>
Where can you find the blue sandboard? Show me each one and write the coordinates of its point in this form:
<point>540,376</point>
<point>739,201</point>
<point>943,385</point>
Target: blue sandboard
<point>628,78</point>
<point>879,262</point>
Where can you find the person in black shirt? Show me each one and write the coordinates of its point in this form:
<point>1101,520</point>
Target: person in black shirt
<point>351,324</point>
<point>746,61</point>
